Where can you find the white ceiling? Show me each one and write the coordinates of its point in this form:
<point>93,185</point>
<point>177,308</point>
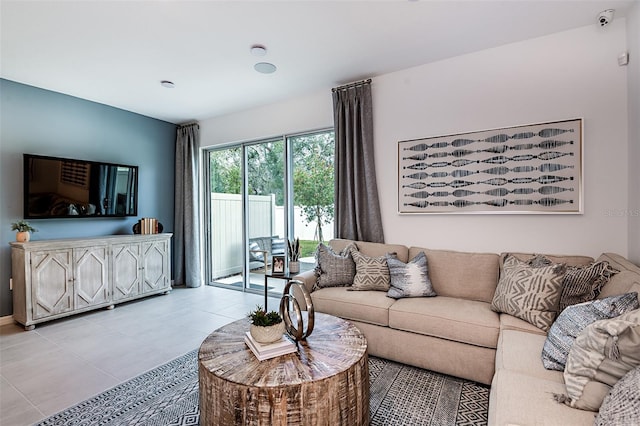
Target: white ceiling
<point>117,52</point>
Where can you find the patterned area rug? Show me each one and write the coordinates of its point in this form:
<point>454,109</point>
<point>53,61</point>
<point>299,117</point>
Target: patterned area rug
<point>168,395</point>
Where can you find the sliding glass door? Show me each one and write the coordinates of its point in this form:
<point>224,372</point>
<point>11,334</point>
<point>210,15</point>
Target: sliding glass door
<point>260,194</point>
<point>266,220</point>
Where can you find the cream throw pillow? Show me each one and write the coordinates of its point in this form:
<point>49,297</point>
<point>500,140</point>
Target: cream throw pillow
<point>601,355</point>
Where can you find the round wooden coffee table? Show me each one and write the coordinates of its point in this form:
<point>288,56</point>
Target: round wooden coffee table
<point>325,383</point>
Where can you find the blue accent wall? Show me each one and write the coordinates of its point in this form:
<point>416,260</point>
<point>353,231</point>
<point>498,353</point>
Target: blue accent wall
<point>38,121</point>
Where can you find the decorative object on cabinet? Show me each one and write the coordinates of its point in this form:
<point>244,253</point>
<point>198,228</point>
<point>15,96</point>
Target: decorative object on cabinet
<point>535,168</point>
<point>24,230</point>
<point>57,278</point>
<point>148,225</point>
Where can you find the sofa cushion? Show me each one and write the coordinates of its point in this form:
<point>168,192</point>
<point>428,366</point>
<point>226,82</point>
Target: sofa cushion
<point>573,320</point>
<point>625,281</point>
<point>529,293</point>
<point>471,276</point>
<point>372,273</point>
<point>509,322</point>
<point>601,355</point>
<point>584,283</point>
<point>372,249</point>
<point>409,279</point>
<point>622,405</point>
<point>520,351</point>
<point>334,269</point>
<point>366,306</point>
<point>460,320</point>
<point>521,399</point>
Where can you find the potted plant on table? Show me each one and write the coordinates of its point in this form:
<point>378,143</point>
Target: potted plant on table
<point>23,229</point>
<point>294,255</point>
<point>266,327</point>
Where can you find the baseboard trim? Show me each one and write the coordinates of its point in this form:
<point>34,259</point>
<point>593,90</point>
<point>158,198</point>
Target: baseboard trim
<point>6,320</point>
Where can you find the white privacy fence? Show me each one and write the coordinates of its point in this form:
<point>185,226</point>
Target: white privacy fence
<point>265,219</point>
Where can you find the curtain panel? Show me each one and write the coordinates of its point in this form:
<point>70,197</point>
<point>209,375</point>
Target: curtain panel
<point>187,270</point>
<point>357,208</point>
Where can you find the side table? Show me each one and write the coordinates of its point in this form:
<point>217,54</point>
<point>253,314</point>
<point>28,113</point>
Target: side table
<point>287,276</point>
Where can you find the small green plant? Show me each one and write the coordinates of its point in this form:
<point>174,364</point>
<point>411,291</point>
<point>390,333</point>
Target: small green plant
<point>262,318</point>
<point>22,226</point>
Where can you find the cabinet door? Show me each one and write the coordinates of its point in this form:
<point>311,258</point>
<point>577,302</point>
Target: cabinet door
<point>51,282</point>
<point>91,273</point>
<point>155,266</point>
<point>127,270</point>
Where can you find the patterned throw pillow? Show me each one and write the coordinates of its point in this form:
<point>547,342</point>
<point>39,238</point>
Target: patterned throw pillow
<point>409,279</point>
<point>531,294</point>
<point>622,405</point>
<point>334,269</point>
<point>581,284</point>
<point>601,355</point>
<point>576,318</point>
<point>372,273</point>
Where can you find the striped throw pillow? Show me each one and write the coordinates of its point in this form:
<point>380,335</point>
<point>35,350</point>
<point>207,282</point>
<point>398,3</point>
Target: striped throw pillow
<point>582,284</point>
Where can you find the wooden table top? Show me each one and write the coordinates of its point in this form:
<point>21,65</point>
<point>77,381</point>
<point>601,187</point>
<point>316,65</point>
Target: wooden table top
<point>334,346</point>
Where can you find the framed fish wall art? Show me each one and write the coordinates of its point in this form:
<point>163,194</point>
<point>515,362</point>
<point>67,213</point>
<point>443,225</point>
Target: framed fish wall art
<point>535,168</point>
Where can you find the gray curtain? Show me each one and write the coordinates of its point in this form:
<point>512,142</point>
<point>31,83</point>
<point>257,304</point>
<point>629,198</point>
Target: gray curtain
<point>186,220</point>
<point>357,209</point>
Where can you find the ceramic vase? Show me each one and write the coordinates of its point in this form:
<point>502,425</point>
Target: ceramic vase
<point>268,334</point>
<point>294,267</point>
<point>23,236</point>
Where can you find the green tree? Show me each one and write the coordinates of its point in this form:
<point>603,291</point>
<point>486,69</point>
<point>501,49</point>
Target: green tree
<point>313,178</point>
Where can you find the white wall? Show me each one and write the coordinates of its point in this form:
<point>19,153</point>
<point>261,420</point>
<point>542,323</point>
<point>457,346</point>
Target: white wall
<point>297,115</point>
<point>633,81</point>
<point>565,75</point>
<point>562,76</point>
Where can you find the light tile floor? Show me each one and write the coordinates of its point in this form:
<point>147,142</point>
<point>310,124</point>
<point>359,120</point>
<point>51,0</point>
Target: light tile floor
<point>66,361</point>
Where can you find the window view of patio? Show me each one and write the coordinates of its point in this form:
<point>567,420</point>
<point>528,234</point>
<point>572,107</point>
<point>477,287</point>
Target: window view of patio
<point>262,194</point>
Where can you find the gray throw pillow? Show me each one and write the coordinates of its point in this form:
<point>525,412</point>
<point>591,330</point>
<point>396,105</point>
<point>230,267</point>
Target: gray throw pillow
<point>409,279</point>
<point>573,320</point>
<point>334,269</point>
<point>622,405</point>
<point>582,284</point>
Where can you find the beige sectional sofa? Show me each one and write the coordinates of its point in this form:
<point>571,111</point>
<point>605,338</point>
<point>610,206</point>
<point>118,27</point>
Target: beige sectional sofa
<point>457,333</point>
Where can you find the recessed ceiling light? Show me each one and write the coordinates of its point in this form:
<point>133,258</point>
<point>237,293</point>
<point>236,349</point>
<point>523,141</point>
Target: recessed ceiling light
<point>168,84</point>
<point>258,50</point>
<point>265,67</point>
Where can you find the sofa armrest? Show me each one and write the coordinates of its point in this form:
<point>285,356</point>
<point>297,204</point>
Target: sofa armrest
<point>308,278</point>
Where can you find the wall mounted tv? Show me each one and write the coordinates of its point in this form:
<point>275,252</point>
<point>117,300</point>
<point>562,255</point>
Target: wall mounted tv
<point>67,188</point>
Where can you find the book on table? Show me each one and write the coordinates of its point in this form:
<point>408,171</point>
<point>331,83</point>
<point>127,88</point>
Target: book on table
<point>264,351</point>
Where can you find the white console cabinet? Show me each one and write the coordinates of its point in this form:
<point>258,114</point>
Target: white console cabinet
<point>57,278</point>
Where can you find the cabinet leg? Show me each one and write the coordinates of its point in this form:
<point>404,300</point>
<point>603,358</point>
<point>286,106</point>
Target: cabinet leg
<point>110,307</point>
<point>167,292</point>
<point>29,327</point>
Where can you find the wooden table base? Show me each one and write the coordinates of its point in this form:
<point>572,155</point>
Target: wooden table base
<point>325,383</point>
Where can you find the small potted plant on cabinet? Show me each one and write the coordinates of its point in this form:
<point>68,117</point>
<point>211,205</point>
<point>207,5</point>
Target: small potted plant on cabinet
<point>23,229</point>
<point>266,327</point>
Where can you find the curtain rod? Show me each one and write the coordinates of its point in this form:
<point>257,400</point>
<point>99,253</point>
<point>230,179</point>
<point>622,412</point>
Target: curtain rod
<point>350,85</point>
<point>193,123</point>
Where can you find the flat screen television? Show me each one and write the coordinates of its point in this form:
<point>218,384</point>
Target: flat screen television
<point>67,188</point>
